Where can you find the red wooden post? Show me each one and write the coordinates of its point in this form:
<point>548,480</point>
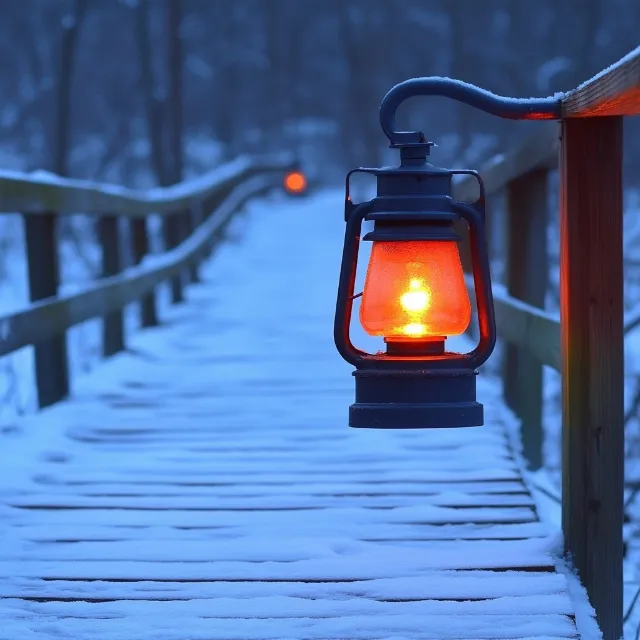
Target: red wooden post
<point>593,360</point>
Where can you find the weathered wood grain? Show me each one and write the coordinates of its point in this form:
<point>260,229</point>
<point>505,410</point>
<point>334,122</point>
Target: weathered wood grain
<point>591,278</point>
<point>613,92</point>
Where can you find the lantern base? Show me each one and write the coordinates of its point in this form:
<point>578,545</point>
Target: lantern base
<point>420,399</point>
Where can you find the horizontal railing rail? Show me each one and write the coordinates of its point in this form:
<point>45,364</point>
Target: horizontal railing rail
<point>42,192</point>
<point>586,342</point>
<point>194,213</point>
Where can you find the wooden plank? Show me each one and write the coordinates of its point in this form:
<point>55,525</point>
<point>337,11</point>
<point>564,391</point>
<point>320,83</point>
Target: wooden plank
<point>527,279</point>
<point>65,533</point>
<point>46,320</point>
<point>425,514</point>
<point>356,627</point>
<point>113,322</point>
<point>314,556</point>
<point>592,360</point>
<point>84,477</point>
<point>529,327</point>
<point>316,552</point>
<point>43,269</point>
<point>398,561</point>
<point>441,585</point>
<point>251,488</point>
<point>613,92</point>
<point>305,607</point>
<point>266,501</point>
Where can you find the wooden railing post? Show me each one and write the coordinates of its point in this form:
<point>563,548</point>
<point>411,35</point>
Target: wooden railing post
<point>51,366</point>
<point>526,279</point>
<point>193,218</point>
<point>113,322</point>
<point>140,240</point>
<point>172,232</point>
<point>593,360</point>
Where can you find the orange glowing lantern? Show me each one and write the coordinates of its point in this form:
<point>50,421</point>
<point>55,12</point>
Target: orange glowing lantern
<point>415,293</point>
<point>295,182</point>
<point>415,298</point>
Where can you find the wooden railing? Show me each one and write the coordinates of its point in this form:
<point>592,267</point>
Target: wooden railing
<point>194,215</point>
<point>586,343</point>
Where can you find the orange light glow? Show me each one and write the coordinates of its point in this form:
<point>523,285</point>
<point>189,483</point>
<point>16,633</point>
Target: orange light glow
<point>295,182</point>
<point>415,290</point>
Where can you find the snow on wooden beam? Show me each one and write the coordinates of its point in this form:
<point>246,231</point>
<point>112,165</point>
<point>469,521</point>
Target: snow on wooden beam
<point>615,91</point>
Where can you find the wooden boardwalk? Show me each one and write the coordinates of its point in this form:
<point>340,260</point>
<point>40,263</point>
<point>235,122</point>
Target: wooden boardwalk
<point>205,485</point>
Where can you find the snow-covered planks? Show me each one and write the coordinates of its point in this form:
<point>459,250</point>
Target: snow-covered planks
<point>206,486</point>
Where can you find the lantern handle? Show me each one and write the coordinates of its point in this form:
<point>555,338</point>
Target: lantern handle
<point>474,96</point>
<point>354,215</point>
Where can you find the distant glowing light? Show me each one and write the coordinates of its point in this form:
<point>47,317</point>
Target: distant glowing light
<point>295,182</point>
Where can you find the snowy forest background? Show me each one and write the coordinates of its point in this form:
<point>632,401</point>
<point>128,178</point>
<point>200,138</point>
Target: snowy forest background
<point>150,92</point>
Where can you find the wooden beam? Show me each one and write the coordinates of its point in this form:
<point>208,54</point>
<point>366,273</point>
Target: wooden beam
<point>48,318</point>
<point>172,234</point>
<point>534,330</point>
<point>193,219</point>
<point>43,192</point>
<point>112,322</point>
<point>539,151</point>
<point>593,360</point>
<point>527,280</point>
<point>140,249</point>
<point>43,266</point>
<point>613,92</point>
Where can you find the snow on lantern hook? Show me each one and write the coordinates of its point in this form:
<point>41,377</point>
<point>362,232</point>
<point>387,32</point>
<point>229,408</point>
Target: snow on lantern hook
<point>415,294</point>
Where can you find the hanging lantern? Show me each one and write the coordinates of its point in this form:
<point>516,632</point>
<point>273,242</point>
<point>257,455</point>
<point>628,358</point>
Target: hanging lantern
<point>415,297</point>
<point>414,294</point>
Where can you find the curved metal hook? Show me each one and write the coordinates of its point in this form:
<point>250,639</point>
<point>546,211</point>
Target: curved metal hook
<point>511,108</point>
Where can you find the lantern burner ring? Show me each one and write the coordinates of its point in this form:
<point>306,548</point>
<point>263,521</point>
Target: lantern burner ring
<point>415,347</point>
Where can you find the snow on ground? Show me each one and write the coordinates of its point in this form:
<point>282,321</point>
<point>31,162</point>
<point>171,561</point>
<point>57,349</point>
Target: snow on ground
<point>257,336</point>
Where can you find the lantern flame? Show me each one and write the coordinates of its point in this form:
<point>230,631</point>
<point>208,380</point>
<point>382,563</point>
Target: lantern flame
<point>417,299</point>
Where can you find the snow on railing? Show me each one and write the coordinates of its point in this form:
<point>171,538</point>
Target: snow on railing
<point>195,213</point>
<point>43,192</point>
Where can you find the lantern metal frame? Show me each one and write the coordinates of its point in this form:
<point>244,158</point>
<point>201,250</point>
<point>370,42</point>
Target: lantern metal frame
<point>412,389</point>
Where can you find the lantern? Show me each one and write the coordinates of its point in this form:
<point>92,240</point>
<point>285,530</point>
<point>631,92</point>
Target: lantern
<point>415,294</point>
<point>415,297</point>
<point>295,183</point>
